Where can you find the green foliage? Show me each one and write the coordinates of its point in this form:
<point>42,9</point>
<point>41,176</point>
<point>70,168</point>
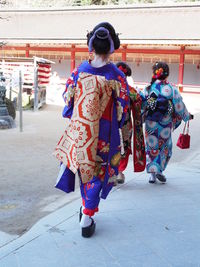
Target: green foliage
<point>66,3</point>
<point>3,2</point>
<point>11,108</point>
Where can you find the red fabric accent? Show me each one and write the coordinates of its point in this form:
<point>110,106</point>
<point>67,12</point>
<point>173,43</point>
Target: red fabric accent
<point>124,162</point>
<point>43,77</point>
<point>107,115</point>
<point>42,82</point>
<point>44,71</point>
<point>43,65</point>
<point>90,212</point>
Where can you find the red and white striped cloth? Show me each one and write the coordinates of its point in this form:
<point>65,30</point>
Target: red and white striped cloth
<point>11,68</point>
<point>44,73</point>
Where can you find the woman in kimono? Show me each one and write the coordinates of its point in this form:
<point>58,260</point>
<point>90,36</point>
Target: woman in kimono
<point>132,124</point>
<point>163,112</point>
<point>96,99</point>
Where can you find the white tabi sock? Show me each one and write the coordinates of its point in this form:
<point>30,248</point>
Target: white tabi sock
<point>152,177</point>
<point>85,221</point>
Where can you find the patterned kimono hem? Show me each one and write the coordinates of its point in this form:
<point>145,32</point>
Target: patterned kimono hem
<point>61,156</point>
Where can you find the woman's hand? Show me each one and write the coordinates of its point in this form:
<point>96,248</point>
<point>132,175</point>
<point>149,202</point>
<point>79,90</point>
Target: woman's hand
<point>191,116</point>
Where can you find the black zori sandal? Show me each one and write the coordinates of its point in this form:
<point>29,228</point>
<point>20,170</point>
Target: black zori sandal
<point>161,178</point>
<point>80,214</point>
<point>89,230</point>
<point>152,181</point>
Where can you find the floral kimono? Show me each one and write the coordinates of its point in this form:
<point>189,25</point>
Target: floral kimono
<point>164,111</point>
<point>96,103</point>
<point>139,156</point>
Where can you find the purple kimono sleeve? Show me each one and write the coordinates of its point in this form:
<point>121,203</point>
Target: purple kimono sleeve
<point>68,95</point>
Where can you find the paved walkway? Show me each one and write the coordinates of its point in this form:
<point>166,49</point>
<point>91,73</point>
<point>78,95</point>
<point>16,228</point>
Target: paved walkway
<point>138,225</point>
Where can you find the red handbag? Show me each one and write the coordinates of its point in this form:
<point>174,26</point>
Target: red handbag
<point>184,138</point>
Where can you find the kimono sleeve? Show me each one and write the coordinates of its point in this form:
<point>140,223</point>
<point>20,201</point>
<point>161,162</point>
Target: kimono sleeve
<point>123,101</point>
<point>180,109</point>
<point>68,95</point>
<point>143,95</point>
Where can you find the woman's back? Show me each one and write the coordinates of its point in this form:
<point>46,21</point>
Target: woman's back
<point>96,104</point>
<point>90,97</point>
<point>161,88</point>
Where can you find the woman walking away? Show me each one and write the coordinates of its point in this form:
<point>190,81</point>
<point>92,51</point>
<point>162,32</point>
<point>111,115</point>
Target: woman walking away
<point>96,99</point>
<point>139,157</point>
<point>164,111</point>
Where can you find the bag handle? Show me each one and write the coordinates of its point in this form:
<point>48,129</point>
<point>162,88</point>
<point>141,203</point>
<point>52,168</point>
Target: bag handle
<point>187,124</point>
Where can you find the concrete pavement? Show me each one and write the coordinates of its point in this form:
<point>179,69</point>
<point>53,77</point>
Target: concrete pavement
<point>138,225</point>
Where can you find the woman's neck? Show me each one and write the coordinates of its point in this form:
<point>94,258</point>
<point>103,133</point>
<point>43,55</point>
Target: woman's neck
<point>99,61</point>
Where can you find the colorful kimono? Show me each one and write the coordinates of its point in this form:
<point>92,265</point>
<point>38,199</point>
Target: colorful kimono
<point>139,156</point>
<point>96,104</point>
<point>164,110</point>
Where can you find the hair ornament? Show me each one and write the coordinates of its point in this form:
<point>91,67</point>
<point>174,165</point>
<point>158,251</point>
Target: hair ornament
<point>124,70</point>
<point>158,73</point>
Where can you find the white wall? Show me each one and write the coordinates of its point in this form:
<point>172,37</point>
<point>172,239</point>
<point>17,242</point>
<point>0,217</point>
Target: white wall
<point>141,73</point>
<point>62,68</point>
<point>192,74</point>
<point>133,23</point>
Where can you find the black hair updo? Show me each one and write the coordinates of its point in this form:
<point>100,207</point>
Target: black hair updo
<point>160,72</point>
<point>161,65</point>
<point>101,44</point>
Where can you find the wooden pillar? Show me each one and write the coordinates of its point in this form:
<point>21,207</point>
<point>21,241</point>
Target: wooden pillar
<point>181,69</point>
<point>27,50</point>
<point>73,63</point>
<point>124,53</point>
